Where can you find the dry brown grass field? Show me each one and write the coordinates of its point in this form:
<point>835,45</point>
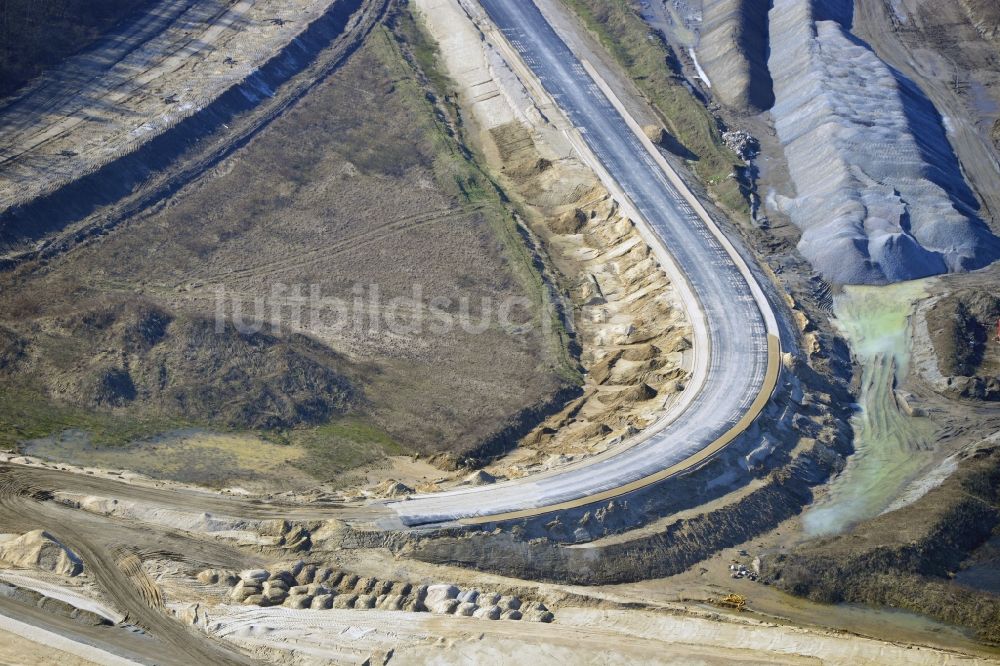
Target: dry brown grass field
<point>364,182</point>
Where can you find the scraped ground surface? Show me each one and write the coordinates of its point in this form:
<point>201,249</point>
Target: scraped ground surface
<point>17,650</point>
<point>164,65</point>
<point>34,36</point>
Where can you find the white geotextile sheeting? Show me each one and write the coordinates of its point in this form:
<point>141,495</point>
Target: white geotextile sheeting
<point>874,205</point>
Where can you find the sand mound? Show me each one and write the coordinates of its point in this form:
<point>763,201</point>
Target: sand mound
<point>40,550</point>
<point>392,488</point>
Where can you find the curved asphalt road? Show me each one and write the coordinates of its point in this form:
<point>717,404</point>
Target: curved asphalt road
<point>736,328</point>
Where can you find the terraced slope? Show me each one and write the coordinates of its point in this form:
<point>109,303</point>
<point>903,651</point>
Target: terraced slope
<point>163,67</point>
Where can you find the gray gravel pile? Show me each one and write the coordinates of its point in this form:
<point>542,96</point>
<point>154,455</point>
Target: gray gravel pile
<point>880,196</point>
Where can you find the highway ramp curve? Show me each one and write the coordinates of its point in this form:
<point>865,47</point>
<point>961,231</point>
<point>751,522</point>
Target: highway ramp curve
<point>738,324</point>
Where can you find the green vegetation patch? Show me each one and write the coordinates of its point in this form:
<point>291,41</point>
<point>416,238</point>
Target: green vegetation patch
<point>27,414</point>
<point>342,445</point>
<point>185,451</point>
<point>365,179</point>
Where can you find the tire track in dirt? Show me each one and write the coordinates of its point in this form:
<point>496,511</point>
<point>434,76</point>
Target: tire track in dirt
<point>363,238</point>
<point>114,566</point>
<point>131,565</point>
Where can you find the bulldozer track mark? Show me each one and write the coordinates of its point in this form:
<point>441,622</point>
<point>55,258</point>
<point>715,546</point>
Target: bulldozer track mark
<point>131,565</point>
<point>14,486</point>
<point>24,132</point>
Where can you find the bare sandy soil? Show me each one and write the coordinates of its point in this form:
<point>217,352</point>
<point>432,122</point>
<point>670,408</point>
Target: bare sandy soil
<point>581,636</point>
<point>16,649</point>
<point>590,626</point>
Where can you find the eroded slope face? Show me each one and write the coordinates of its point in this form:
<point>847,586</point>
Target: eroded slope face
<point>880,193</point>
<point>633,335</point>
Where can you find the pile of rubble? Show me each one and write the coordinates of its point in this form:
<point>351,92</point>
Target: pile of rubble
<point>741,571</point>
<point>309,586</point>
<point>742,143</point>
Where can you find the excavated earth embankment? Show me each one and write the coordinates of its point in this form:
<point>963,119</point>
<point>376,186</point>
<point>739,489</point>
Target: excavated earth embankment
<point>633,350</point>
<point>732,49</point>
<point>804,438</point>
<point>962,328</point>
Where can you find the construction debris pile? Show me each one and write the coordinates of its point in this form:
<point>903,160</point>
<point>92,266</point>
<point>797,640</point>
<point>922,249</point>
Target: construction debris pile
<point>741,571</point>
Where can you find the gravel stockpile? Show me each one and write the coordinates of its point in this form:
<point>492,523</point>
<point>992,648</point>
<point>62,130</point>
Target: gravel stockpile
<point>880,196</point>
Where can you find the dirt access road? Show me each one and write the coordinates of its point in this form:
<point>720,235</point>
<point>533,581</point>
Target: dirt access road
<point>108,549</point>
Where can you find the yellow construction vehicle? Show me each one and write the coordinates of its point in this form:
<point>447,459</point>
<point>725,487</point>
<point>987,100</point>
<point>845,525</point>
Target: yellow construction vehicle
<point>733,601</point>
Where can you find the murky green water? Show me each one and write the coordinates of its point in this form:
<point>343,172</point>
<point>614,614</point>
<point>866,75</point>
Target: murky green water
<point>891,448</point>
